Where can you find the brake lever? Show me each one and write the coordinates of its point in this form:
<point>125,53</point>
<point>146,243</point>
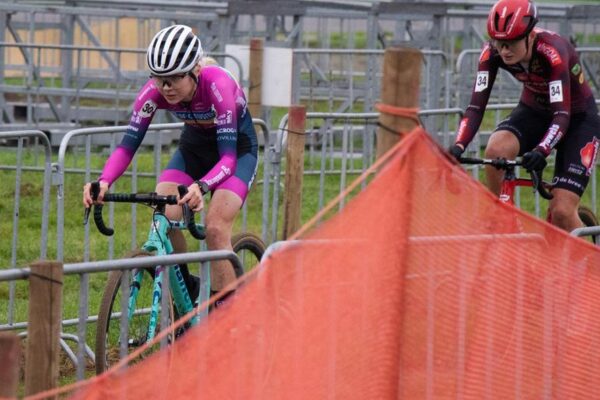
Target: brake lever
<point>538,185</point>
<point>94,191</point>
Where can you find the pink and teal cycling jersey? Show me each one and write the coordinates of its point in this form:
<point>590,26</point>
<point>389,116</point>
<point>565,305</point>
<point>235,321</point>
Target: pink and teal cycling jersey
<point>216,119</point>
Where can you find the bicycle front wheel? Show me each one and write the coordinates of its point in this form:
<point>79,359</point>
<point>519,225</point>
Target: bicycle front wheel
<point>108,328</point>
<point>249,249</point>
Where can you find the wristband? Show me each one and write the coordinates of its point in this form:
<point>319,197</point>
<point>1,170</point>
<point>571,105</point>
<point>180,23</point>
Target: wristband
<point>203,187</point>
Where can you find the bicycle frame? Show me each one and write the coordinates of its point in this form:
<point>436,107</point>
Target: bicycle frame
<point>159,243</point>
<point>509,183</point>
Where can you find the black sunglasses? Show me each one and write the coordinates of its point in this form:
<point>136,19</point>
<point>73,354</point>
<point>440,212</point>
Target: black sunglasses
<point>168,80</point>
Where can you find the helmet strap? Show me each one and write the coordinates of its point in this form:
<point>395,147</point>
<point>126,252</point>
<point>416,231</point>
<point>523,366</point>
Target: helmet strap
<point>193,76</point>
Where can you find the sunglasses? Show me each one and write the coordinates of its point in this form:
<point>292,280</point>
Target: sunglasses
<point>170,80</point>
<point>509,44</point>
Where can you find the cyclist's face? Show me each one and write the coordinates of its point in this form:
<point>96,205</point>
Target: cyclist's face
<point>175,88</point>
<point>511,51</point>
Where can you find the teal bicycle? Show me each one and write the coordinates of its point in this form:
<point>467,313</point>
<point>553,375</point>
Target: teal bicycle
<point>145,289</point>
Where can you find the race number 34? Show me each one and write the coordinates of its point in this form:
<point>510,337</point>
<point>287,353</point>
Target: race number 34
<point>556,91</point>
<point>482,81</point>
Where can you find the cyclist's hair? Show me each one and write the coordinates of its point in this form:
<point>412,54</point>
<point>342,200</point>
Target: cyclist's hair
<point>204,61</point>
<point>174,50</point>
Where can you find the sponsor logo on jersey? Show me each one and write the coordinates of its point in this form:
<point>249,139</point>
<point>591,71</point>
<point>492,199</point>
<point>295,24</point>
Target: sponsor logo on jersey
<point>550,52</point>
<point>241,101</point>
<point>225,119</point>
<point>225,171</point>
<point>145,91</point>
<point>576,169</point>
<point>588,154</point>
<point>462,127</point>
<point>147,109</point>
<point>535,65</point>
<point>576,69</point>
<point>553,135</point>
<point>215,90</point>
<point>566,181</point>
<point>197,117</point>
<point>485,53</point>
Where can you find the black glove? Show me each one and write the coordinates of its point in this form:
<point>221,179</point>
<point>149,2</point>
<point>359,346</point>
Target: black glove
<point>534,160</point>
<point>456,150</point>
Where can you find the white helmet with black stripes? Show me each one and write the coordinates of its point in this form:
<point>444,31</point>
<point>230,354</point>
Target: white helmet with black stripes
<point>174,50</point>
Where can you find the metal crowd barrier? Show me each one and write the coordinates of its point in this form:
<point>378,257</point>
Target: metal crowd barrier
<point>325,145</point>
<point>350,76</point>
<point>55,80</point>
<point>83,269</point>
<point>42,140</point>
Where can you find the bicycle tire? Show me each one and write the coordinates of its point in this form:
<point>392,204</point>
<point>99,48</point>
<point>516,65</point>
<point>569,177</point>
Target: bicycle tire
<point>107,349</point>
<point>249,248</point>
<point>588,218</point>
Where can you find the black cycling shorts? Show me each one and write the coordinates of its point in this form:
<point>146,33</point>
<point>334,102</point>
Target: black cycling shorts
<point>577,150</point>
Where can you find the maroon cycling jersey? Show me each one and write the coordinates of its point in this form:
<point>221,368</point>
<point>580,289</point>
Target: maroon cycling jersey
<point>553,82</point>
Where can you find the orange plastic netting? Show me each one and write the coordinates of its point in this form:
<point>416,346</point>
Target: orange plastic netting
<point>424,287</point>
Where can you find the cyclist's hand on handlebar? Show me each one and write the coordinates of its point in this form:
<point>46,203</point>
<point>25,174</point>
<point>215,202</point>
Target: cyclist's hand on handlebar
<point>456,150</point>
<point>534,160</point>
<point>193,198</point>
<point>88,201</point>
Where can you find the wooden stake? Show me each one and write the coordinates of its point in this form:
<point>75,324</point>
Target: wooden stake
<point>10,353</point>
<point>294,170</point>
<point>400,88</point>
<point>43,333</point>
<point>255,76</point>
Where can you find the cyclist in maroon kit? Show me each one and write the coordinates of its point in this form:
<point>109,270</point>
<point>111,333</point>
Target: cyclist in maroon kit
<point>556,110</point>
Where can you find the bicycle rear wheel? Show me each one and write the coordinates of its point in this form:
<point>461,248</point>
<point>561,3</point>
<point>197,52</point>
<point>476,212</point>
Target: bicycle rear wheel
<point>249,249</point>
<point>588,218</point>
<point>108,327</point>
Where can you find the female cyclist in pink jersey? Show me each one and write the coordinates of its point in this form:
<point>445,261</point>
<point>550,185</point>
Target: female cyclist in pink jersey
<point>217,149</point>
<point>557,109</point>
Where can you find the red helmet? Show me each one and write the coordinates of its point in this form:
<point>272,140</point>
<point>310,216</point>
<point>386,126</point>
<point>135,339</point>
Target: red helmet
<point>511,19</point>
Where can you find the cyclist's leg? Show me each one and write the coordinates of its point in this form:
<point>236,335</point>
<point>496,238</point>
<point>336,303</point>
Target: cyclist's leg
<point>575,159</point>
<point>224,207</point>
<point>173,212</point>
<point>176,173</point>
<point>502,143</point>
<point>521,131</point>
<point>177,238</point>
<point>564,209</point>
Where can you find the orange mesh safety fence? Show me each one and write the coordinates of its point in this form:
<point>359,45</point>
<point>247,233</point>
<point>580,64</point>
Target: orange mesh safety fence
<point>425,286</point>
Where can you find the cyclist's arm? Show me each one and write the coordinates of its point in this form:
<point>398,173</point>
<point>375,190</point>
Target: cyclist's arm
<point>559,96</point>
<point>223,92</point>
<point>143,110</point>
<point>486,75</point>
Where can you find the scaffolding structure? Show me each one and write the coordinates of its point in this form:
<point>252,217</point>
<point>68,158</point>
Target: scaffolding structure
<point>71,63</point>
